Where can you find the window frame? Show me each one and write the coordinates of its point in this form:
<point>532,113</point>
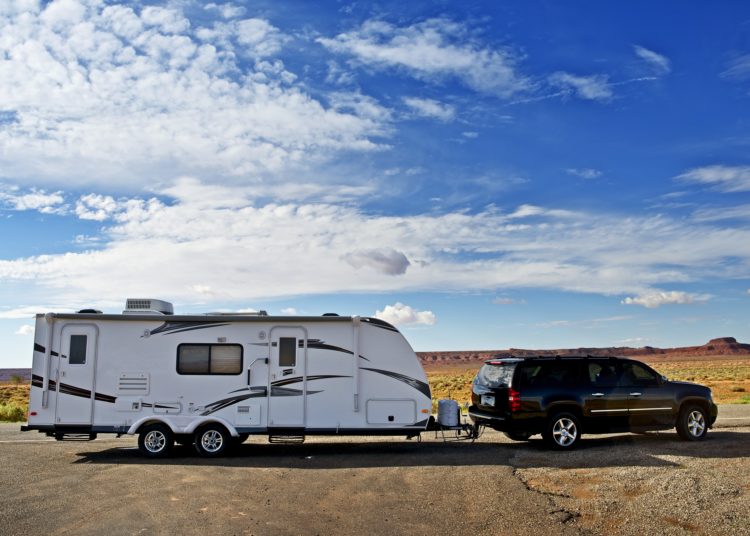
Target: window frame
<point>209,373</point>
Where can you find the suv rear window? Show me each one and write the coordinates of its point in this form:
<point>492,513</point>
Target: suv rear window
<point>496,375</point>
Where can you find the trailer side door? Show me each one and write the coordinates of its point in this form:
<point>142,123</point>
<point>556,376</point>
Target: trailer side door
<point>75,374</point>
<point>287,377</point>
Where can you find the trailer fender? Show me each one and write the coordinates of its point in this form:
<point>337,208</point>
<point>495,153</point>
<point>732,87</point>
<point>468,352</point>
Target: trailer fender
<point>193,426</point>
<point>148,420</point>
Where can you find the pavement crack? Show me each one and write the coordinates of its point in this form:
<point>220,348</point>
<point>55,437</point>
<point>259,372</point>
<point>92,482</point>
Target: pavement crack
<point>557,512</point>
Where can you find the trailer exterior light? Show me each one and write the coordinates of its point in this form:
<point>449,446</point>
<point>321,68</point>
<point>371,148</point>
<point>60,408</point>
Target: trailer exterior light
<point>514,400</point>
<point>32,413</point>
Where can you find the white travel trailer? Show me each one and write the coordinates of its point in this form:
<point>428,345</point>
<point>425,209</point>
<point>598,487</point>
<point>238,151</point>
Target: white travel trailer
<point>214,379</point>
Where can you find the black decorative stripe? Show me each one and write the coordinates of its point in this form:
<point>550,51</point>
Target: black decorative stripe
<point>38,381</point>
<point>379,323</point>
<point>225,402</point>
<point>297,379</point>
<point>420,386</point>
<point>169,328</point>
<point>39,348</point>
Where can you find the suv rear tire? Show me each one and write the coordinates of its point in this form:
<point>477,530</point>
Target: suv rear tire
<point>692,424</point>
<point>563,431</point>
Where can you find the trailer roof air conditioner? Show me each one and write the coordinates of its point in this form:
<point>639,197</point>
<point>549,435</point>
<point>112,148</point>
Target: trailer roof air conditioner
<point>142,306</point>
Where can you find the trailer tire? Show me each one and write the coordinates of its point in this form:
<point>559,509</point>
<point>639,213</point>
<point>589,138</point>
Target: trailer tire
<point>156,440</point>
<point>212,440</point>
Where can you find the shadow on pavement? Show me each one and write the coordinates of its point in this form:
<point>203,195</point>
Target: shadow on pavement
<point>646,450</point>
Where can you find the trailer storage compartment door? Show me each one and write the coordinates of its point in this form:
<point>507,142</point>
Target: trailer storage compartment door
<point>391,411</point>
<point>75,377</point>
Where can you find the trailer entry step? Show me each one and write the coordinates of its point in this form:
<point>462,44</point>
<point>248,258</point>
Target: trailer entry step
<point>59,436</point>
<point>286,439</point>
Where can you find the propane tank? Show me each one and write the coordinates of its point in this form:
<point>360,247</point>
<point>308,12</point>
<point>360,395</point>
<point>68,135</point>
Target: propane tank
<point>448,412</point>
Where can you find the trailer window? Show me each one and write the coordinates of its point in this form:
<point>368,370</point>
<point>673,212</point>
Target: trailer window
<point>287,352</point>
<point>77,350</point>
<point>209,359</point>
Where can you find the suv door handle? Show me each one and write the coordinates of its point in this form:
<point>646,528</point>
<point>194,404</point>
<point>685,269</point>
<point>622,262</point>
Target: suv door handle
<point>597,394</point>
<point>635,394</point>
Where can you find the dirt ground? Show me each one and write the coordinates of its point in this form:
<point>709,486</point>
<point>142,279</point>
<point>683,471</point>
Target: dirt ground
<point>616,484</point>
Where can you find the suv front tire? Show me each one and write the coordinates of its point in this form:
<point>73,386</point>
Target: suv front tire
<point>692,424</point>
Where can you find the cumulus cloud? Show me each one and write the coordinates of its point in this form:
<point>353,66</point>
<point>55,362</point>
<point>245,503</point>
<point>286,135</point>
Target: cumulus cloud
<point>89,86</point>
<point>25,330</point>
<point>289,311</point>
<point>399,314</point>
<point>431,108</point>
<point>594,87</point>
<point>95,207</point>
<point>584,173</point>
<point>386,261</point>
<point>657,298</point>
<point>723,178</point>
<point>659,64</point>
<point>437,48</point>
<point>32,199</point>
<point>228,11</point>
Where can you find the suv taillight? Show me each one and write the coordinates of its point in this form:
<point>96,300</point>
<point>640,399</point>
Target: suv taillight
<point>514,400</point>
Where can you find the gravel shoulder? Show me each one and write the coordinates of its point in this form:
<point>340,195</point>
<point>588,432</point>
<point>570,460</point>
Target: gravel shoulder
<point>615,484</point>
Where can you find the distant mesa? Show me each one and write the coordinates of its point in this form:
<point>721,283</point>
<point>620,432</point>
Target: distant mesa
<point>720,347</point>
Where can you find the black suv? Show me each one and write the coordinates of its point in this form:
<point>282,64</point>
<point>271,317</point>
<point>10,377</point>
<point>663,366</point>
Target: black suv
<point>563,397</point>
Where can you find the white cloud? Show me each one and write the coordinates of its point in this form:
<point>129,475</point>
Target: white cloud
<point>659,63</point>
<point>385,261</point>
<point>26,329</point>
<point>228,11</point>
<point>399,314</point>
<point>289,311</point>
<point>723,178</point>
<point>259,37</point>
<point>470,134</point>
<point>107,94</point>
<point>738,68</point>
<point>740,212</point>
<point>95,207</point>
<point>436,48</point>
<point>594,87</point>
<point>227,237</point>
<point>654,299</point>
<point>584,173</point>
<point>32,199</point>
<point>431,108</point>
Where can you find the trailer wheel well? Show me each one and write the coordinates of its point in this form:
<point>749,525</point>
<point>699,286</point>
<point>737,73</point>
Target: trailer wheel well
<point>152,421</point>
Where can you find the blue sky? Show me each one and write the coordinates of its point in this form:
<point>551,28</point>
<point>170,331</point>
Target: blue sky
<point>485,175</point>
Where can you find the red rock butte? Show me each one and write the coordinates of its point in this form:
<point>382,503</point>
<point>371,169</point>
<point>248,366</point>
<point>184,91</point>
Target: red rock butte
<point>720,348</point>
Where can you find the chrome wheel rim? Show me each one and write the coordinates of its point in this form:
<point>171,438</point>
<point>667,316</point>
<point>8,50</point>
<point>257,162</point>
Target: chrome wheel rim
<point>155,441</point>
<point>564,432</point>
<point>212,441</point>
<point>696,423</point>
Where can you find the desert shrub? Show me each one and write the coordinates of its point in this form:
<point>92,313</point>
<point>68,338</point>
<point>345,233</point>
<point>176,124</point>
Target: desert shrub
<point>737,389</point>
<point>11,412</point>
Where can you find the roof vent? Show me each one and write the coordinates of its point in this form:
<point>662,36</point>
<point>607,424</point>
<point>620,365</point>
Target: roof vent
<point>145,306</point>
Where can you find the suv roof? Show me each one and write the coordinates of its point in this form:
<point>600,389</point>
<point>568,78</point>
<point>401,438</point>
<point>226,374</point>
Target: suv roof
<point>513,359</point>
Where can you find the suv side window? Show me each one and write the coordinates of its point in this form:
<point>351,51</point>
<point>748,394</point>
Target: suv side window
<point>636,375</point>
<point>556,374</point>
<point>602,373</point>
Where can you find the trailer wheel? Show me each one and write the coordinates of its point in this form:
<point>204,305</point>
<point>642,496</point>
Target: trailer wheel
<point>155,440</point>
<point>212,440</point>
